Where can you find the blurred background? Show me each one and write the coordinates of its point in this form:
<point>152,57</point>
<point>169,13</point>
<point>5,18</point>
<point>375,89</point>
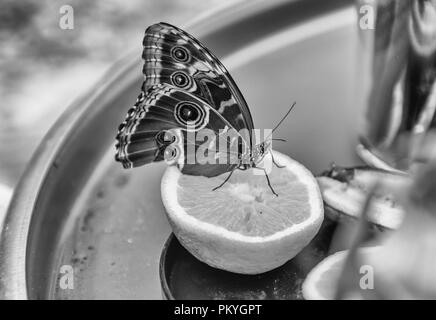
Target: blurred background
<point>44,67</point>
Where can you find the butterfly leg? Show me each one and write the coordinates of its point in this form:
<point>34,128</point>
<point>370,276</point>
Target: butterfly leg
<point>227,179</point>
<point>269,182</point>
<point>275,163</point>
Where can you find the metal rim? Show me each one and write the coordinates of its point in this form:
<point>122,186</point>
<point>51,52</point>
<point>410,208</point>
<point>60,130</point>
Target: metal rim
<point>18,218</point>
<point>166,291</point>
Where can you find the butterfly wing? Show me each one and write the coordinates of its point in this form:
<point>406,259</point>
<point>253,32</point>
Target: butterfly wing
<point>174,125</point>
<point>173,56</point>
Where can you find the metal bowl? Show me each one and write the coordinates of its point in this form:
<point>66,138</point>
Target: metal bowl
<point>76,207</point>
<point>186,278</point>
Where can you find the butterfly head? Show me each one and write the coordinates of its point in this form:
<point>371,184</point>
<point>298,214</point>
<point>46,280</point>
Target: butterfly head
<point>259,151</point>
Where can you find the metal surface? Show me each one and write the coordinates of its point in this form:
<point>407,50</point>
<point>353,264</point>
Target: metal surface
<point>76,206</point>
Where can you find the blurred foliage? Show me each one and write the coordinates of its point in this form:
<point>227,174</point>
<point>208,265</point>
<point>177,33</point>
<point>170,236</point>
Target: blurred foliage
<point>30,33</point>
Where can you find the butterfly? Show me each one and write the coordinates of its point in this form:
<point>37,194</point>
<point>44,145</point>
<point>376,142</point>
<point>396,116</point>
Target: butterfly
<point>187,91</point>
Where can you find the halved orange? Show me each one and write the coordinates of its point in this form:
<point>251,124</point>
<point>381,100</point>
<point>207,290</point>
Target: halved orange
<point>322,281</point>
<point>243,227</point>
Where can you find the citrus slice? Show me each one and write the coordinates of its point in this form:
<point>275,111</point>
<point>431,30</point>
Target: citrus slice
<point>243,227</point>
<point>322,281</point>
<point>345,190</point>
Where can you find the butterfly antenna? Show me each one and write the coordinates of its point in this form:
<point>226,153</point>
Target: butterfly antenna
<point>284,117</point>
<point>280,122</point>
